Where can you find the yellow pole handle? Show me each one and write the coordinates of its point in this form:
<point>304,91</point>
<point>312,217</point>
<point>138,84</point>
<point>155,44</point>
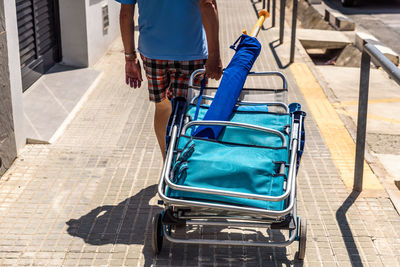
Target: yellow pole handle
<point>263,14</point>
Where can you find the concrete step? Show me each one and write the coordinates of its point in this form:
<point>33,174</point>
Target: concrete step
<point>52,100</point>
<point>323,39</point>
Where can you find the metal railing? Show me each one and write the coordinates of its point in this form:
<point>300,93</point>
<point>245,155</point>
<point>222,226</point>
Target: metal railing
<point>267,5</point>
<point>294,27</point>
<point>369,51</point>
<point>282,22</point>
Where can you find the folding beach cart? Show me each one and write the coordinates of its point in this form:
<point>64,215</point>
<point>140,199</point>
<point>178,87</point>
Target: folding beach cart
<point>238,172</point>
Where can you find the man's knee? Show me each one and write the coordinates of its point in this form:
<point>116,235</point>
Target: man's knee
<point>163,106</point>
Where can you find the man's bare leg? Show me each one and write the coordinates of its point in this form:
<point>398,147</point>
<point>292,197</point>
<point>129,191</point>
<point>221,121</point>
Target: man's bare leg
<point>161,116</point>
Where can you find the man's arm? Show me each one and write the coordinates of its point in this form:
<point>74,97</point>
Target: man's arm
<point>209,14</point>
<point>132,65</point>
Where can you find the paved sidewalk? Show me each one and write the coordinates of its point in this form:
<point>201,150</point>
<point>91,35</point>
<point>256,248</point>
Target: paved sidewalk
<point>88,199</point>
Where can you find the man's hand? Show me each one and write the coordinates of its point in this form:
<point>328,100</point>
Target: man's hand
<point>209,15</point>
<point>214,67</point>
<point>133,73</point>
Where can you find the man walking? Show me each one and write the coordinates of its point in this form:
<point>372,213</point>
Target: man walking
<point>176,38</point>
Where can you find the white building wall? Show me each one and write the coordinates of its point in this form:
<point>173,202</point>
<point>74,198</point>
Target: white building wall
<point>15,72</point>
<point>83,40</point>
<point>99,41</point>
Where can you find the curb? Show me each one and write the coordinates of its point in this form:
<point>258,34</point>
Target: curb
<point>339,21</point>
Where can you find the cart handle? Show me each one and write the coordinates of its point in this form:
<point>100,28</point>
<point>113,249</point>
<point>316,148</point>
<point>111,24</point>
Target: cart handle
<point>239,125</point>
<point>263,14</point>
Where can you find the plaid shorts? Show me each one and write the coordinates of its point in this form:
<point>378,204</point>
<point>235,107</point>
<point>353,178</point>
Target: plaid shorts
<point>170,78</point>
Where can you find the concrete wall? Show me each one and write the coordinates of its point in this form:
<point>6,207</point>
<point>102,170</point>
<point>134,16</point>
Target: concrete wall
<point>83,40</point>
<point>8,150</point>
<point>14,72</point>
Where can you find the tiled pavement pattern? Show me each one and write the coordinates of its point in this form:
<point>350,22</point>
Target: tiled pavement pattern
<point>87,200</point>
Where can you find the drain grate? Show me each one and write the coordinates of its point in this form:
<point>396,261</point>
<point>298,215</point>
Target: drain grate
<point>348,56</point>
<point>324,56</point>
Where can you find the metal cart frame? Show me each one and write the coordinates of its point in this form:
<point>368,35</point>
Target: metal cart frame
<point>181,212</point>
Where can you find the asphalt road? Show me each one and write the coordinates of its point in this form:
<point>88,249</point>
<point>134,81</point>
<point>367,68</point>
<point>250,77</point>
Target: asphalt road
<point>379,17</point>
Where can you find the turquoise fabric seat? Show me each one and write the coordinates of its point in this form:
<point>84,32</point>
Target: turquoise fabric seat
<point>274,121</point>
<point>241,160</point>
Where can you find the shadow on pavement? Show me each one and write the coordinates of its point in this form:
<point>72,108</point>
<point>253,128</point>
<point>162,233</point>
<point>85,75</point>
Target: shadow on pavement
<point>344,226</point>
<point>273,47</point>
<point>129,222</point>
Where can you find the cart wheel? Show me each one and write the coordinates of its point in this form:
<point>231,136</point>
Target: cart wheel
<point>302,239</point>
<point>157,234</point>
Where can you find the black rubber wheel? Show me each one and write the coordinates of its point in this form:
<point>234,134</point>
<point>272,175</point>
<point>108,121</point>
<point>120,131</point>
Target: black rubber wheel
<point>348,3</point>
<point>302,239</point>
<point>157,234</point>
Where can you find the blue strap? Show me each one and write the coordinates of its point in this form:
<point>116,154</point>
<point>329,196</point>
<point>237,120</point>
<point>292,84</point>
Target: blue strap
<point>235,43</point>
<point>203,84</point>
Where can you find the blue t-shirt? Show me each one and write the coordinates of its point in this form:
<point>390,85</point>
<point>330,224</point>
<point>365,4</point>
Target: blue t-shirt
<point>170,29</point>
